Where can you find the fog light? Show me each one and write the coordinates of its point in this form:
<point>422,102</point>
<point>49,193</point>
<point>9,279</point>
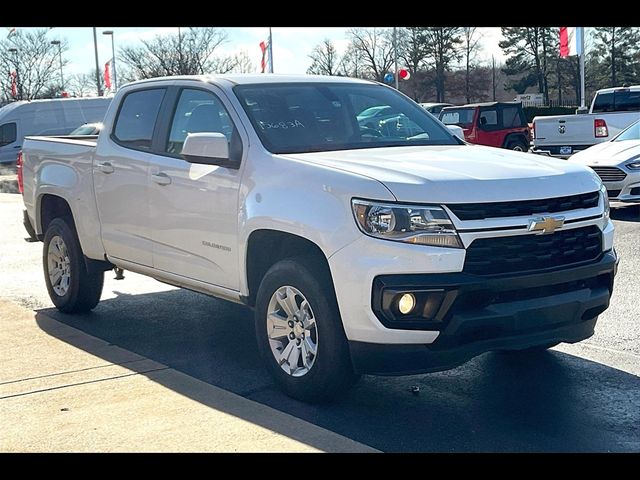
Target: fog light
<point>406,303</point>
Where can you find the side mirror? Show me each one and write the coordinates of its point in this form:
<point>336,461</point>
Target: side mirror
<point>456,131</point>
<point>208,148</point>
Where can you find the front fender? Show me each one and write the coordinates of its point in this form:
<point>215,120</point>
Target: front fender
<point>304,199</point>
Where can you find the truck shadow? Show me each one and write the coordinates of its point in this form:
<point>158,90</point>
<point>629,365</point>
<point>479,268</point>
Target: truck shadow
<point>554,402</point>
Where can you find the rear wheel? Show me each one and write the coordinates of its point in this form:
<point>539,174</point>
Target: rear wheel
<point>518,145</point>
<point>300,334</point>
<point>72,288</point>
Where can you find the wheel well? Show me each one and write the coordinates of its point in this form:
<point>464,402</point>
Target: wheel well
<point>52,207</point>
<point>514,137</point>
<point>266,247</point>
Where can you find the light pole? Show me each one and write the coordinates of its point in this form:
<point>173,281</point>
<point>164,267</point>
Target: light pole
<point>15,61</point>
<point>113,59</point>
<point>95,47</point>
<point>57,42</point>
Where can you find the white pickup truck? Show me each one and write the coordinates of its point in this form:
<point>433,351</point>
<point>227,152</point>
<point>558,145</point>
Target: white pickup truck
<point>612,110</point>
<point>360,250</point>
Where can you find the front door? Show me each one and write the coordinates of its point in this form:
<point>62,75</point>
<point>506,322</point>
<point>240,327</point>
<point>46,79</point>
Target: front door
<point>194,207</point>
<point>121,175</point>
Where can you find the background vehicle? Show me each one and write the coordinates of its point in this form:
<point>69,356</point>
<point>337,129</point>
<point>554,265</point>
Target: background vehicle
<point>612,110</point>
<point>495,124</point>
<point>87,129</point>
<point>57,116</point>
<point>361,253</point>
<point>434,108</point>
<point>617,163</point>
<point>372,116</point>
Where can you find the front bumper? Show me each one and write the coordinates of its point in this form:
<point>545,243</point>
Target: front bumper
<point>627,190</point>
<point>497,313</point>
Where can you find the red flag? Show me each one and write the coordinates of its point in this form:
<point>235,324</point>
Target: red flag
<point>14,84</point>
<point>107,75</point>
<point>263,62</point>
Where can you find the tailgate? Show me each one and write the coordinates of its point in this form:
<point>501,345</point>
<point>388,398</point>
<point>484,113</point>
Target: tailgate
<point>564,130</point>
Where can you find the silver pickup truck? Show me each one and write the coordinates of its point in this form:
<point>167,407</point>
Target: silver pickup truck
<point>612,110</point>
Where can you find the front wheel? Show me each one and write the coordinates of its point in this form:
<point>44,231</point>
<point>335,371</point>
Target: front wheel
<point>300,334</point>
<point>72,288</point>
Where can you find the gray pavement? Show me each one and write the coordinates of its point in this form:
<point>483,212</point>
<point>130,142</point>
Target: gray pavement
<point>575,398</point>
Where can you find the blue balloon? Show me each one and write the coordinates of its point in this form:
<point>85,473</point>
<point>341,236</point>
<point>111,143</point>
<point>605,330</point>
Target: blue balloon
<point>388,78</point>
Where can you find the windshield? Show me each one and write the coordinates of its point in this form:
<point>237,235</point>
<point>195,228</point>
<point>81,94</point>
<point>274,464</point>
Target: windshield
<point>318,117</point>
<point>463,117</point>
<point>631,133</point>
<point>617,101</point>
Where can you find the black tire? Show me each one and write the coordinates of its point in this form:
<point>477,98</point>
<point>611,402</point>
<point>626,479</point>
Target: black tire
<point>331,374</point>
<point>518,145</point>
<point>85,288</point>
<point>531,351</point>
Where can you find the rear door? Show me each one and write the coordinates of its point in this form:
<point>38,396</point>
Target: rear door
<point>120,173</point>
<point>194,207</point>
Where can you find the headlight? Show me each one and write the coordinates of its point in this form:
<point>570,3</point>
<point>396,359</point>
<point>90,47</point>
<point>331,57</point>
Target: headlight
<point>605,201</point>
<point>423,225</point>
<point>635,165</point>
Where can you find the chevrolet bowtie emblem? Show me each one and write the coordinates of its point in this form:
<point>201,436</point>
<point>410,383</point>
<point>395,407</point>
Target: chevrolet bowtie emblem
<point>546,224</point>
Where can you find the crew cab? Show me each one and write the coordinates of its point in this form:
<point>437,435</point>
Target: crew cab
<point>612,110</point>
<point>361,250</point>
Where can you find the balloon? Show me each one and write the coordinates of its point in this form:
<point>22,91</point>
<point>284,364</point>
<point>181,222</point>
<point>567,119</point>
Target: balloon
<point>388,78</point>
<point>404,74</point>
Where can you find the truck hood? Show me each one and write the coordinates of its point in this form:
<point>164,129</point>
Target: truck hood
<point>607,154</point>
<point>460,173</point>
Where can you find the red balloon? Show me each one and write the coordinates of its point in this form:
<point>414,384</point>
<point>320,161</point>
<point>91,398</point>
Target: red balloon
<point>404,74</point>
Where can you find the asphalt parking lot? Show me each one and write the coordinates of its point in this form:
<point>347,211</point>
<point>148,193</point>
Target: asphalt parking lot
<point>575,398</point>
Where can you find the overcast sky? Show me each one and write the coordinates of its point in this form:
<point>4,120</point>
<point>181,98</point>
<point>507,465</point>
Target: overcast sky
<point>291,45</point>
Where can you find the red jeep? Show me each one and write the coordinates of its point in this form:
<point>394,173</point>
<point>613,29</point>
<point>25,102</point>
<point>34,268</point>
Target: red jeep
<point>496,124</point>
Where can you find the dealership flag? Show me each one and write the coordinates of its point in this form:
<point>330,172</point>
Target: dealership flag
<point>264,47</point>
<point>14,84</point>
<point>107,75</point>
<point>570,41</point>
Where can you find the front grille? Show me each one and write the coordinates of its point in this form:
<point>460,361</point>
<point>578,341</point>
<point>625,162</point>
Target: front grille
<point>492,256</point>
<point>610,174</point>
<point>613,193</point>
<point>478,211</point>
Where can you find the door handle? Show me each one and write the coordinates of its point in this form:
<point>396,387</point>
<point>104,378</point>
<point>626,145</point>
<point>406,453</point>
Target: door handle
<point>106,167</point>
<point>161,178</point>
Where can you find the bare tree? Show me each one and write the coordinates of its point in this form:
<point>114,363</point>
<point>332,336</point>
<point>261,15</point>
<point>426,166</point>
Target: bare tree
<point>325,59</point>
<point>374,47</point>
<point>470,49</point>
<point>36,62</point>
<point>192,53</point>
<point>242,63</point>
<point>83,84</point>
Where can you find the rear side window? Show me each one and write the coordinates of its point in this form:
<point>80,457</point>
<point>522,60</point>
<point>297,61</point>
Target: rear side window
<point>137,118</point>
<point>603,103</point>
<point>511,117</point>
<point>7,133</point>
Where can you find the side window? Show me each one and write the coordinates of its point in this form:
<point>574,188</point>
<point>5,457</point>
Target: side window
<point>511,117</point>
<point>197,111</point>
<point>627,101</point>
<point>603,103</point>
<point>488,119</point>
<point>7,133</point>
<point>137,118</point>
